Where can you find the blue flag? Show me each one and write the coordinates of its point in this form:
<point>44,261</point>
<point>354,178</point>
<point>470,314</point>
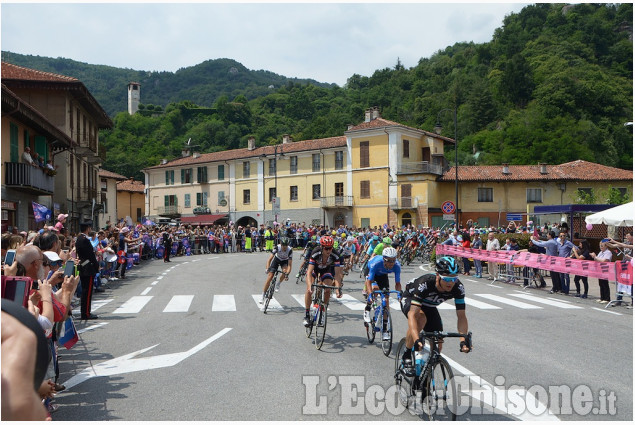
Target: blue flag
<point>148,222</point>
<point>41,212</point>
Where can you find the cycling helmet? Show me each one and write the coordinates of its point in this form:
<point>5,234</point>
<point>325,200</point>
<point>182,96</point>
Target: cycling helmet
<point>326,241</point>
<point>389,252</point>
<point>387,241</point>
<point>334,232</point>
<point>314,237</point>
<point>343,235</point>
<point>350,239</point>
<point>336,245</point>
<point>447,266</point>
<point>284,241</point>
<point>375,238</point>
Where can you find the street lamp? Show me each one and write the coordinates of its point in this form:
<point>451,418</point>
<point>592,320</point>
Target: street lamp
<point>437,129</point>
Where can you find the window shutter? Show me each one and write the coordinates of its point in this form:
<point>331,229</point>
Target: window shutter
<point>363,155</point>
<point>182,175</point>
<point>167,199</point>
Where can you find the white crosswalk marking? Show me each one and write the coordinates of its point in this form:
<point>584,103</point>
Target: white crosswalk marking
<point>350,302</point>
<point>480,304</point>
<point>514,303</point>
<point>133,305</point>
<point>273,304</point>
<point>97,304</point>
<point>224,303</point>
<point>145,291</point>
<point>299,298</point>
<point>446,306</point>
<point>545,301</point>
<point>179,304</point>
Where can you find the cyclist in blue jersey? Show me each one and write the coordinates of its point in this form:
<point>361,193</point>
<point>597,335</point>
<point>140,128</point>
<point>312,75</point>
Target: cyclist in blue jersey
<point>378,269</point>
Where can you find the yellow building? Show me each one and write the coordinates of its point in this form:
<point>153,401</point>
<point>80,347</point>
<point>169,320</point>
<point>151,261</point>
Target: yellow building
<point>130,199</point>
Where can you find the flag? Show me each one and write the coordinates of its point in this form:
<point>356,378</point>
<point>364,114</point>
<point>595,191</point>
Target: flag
<point>41,212</point>
<point>68,334</point>
<point>148,222</point>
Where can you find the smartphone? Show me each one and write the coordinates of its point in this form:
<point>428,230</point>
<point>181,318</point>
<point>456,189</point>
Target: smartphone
<point>35,285</point>
<point>69,268</point>
<point>16,288</point>
<point>10,257</point>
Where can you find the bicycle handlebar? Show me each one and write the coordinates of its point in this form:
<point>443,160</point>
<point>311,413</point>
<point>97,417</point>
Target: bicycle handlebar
<point>436,335</point>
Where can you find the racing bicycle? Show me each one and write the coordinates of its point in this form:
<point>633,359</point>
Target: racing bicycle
<point>317,316</point>
<point>381,321</point>
<point>271,289</point>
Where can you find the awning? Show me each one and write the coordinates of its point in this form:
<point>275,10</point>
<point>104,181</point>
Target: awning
<point>203,220</point>
<point>621,215</point>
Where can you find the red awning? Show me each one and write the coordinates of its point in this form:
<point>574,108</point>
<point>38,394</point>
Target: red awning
<point>203,220</point>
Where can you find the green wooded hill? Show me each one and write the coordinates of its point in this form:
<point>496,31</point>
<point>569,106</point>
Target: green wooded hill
<point>554,84</point>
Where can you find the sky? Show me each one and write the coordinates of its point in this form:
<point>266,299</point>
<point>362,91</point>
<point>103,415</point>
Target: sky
<point>327,42</point>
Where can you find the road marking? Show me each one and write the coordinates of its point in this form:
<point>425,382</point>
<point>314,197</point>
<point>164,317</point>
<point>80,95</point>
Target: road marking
<point>90,328</point>
<point>480,304</point>
<point>145,291</point>
<point>224,303</point>
<point>155,282</point>
<point>508,301</point>
<point>470,280</point>
<point>273,303</point>
<point>179,304</point>
<point>133,305</point>
<point>159,277</point>
<point>299,298</point>
<point>494,286</point>
<point>544,301</point>
<point>127,363</point>
<point>606,311</point>
<point>97,304</point>
<point>164,273</point>
<point>350,302</point>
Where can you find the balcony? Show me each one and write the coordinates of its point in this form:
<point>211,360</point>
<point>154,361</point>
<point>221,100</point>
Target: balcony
<point>170,211</point>
<point>336,201</point>
<point>28,178</point>
<point>86,146</point>
<point>404,203</point>
<point>420,167</point>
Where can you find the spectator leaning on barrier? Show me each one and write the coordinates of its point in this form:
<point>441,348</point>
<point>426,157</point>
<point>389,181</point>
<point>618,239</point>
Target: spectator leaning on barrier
<point>492,245</point>
<point>551,248</point>
<point>605,255</point>
<point>582,253</point>
<point>564,250</point>
<point>477,243</point>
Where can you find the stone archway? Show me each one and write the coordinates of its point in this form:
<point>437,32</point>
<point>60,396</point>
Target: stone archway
<point>247,221</point>
<point>406,219</point>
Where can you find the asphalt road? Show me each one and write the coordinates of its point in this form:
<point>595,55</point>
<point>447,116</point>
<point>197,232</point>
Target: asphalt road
<point>187,341</point>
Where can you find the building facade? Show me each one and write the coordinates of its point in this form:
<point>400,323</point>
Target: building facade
<point>108,196</point>
<point>131,199</point>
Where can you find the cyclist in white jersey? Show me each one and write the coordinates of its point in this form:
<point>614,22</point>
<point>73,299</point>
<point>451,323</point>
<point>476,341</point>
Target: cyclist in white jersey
<point>280,256</point>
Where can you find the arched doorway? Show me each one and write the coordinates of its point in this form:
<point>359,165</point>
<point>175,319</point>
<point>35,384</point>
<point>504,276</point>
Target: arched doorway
<point>406,219</point>
<point>339,220</point>
<point>247,221</point>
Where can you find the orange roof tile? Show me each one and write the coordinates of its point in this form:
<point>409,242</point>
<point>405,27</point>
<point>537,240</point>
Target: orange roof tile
<point>130,186</point>
<point>573,171</point>
<point>15,72</point>
<point>304,145</point>
<point>110,175</point>
<point>382,123</point>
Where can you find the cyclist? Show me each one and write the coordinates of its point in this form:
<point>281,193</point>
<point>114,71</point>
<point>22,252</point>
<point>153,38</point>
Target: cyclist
<point>280,256</point>
<point>325,266</point>
<point>378,269</point>
<point>348,251</point>
<point>306,254</point>
<point>419,304</point>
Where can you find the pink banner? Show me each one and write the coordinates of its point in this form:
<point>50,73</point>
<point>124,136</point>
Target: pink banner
<point>596,269</point>
<point>624,272</point>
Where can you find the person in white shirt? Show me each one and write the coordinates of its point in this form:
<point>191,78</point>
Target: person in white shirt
<point>26,157</point>
<point>604,255</point>
<point>492,245</point>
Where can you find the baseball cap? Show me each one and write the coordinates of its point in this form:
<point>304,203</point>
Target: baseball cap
<point>61,217</point>
<point>52,256</point>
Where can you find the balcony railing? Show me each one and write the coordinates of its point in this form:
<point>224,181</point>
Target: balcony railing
<point>170,210</point>
<point>28,177</point>
<point>86,146</point>
<point>88,194</point>
<point>404,202</point>
<point>420,167</point>
<point>336,201</point>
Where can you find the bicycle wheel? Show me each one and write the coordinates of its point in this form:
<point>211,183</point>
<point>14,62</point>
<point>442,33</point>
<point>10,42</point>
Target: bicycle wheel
<point>404,385</point>
<point>370,329</point>
<point>320,327</point>
<point>386,344</point>
<point>269,293</point>
<point>440,401</point>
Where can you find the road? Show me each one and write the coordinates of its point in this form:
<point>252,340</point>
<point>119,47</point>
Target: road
<point>187,341</point>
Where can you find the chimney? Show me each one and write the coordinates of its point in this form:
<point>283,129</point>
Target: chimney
<point>251,143</point>
<point>185,152</point>
<point>367,115</point>
<point>506,169</point>
<point>164,161</point>
<point>349,126</point>
<point>543,168</point>
<point>196,155</point>
<point>286,139</point>
<point>375,113</point>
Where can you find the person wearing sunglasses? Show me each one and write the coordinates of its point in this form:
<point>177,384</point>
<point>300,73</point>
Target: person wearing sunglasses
<point>377,278</point>
<point>419,304</point>
<point>281,256</point>
<point>325,267</point>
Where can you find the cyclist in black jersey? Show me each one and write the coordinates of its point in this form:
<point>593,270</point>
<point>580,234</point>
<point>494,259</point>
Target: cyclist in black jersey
<point>281,256</point>
<point>325,266</point>
<point>310,246</point>
<point>419,304</point>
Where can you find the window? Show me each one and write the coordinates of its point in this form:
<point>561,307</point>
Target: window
<point>339,160</point>
<point>246,170</point>
<point>201,199</point>
<point>105,206</point>
<point>485,194</point>
<point>221,172</point>
<point>316,162</point>
<point>169,177</point>
<point>622,191</point>
<point>187,201</point>
<point>316,191</point>
<point>272,193</point>
<point>406,149</point>
<point>364,189</point>
<point>534,195</point>
<point>186,175</point>
<point>339,189</point>
<point>363,155</point>
<point>294,165</point>
<point>201,174</point>
<point>272,167</point>
<point>104,185</point>
<point>139,214</point>
<point>246,196</point>
<point>293,193</point>
<point>170,200</point>
<point>221,196</point>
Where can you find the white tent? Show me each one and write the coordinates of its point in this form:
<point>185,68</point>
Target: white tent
<point>622,215</point>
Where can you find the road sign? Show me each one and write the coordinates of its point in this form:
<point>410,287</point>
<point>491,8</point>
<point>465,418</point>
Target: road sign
<point>448,217</point>
<point>514,217</point>
<point>448,207</point>
<point>223,202</point>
